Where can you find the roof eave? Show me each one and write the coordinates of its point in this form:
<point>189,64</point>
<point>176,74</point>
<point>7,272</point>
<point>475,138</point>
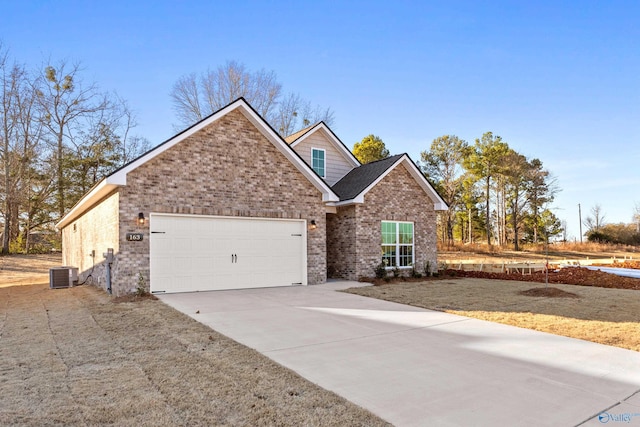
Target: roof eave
<point>97,193</point>
<point>358,200</point>
<point>438,203</point>
<point>119,177</point>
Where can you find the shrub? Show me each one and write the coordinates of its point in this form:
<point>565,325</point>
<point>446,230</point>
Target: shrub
<point>427,269</point>
<point>381,271</point>
<point>141,290</point>
<point>396,271</point>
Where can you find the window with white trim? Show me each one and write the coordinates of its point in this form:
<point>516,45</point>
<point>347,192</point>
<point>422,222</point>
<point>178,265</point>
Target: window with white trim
<point>318,161</point>
<point>397,244</point>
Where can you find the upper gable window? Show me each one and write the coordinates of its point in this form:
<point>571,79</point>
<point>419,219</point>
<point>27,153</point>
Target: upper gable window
<point>318,161</point>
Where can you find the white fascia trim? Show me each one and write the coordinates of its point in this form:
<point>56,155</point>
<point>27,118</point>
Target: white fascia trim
<point>358,200</point>
<point>438,203</point>
<point>93,196</point>
<point>348,155</point>
<point>119,178</point>
<point>327,194</point>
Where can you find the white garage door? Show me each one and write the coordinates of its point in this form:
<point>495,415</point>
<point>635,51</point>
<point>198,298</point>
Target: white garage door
<point>202,253</point>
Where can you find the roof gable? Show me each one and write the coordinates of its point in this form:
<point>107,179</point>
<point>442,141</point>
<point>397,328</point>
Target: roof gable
<point>322,128</point>
<point>357,183</point>
<point>119,177</point>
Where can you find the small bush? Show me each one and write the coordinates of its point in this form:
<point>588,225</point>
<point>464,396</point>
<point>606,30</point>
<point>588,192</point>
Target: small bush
<point>141,290</point>
<point>415,273</point>
<point>427,269</point>
<point>396,271</point>
<point>381,271</point>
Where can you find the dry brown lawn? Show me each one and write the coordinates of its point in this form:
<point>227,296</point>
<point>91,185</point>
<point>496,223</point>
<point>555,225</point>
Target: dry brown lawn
<point>27,269</point>
<point>606,316</point>
<point>75,357</point>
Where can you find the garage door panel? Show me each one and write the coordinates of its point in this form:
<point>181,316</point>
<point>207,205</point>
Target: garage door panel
<point>196,253</point>
<point>182,245</point>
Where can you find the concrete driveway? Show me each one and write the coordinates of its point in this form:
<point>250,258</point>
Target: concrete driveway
<point>416,367</point>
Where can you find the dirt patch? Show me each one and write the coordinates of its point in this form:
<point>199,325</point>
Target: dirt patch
<point>548,292</point>
<point>72,357</point>
<point>606,316</point>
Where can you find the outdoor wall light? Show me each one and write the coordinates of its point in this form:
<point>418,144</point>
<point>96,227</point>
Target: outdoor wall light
<point>313,225</point>
<point>141,218</point>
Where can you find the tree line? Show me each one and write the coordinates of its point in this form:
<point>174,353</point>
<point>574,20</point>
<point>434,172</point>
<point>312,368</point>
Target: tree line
<point>494,193</point>
<point>598,230</point>
<point>59,135</point>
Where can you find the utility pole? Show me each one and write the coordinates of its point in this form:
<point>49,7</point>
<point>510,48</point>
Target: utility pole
<point>580,219</point>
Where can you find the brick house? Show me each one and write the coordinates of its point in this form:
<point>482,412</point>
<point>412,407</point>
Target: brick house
<point>228,204</point>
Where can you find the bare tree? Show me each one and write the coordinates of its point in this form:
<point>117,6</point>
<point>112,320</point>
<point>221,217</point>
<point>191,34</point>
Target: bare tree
<point>89,131</point>
<point>197,96</point>
<point>34,187</point>
<point>636,216</point>
<point>595,221</point>
<point>66,104</point>
<point>17,143</point>
<point>8,82</point>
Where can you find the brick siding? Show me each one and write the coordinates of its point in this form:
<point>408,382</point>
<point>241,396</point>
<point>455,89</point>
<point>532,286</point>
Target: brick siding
<point>396,198</point>
<point>228,168</point>
<point>341,243</point>
<point>96,230</point>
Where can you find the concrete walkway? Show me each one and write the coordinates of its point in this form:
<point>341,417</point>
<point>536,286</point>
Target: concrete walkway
<point>416,367</point>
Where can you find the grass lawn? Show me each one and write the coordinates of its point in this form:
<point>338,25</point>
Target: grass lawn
<point>605,316</point>
<point>74,357</point>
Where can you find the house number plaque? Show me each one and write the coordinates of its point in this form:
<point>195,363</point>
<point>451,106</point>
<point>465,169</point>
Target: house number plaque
<point>134,237</point>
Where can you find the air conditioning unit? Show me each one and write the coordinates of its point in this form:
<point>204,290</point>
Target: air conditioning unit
<point>73,275</point>
<point>62,277</point>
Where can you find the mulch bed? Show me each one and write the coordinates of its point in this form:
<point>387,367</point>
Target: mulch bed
<point>567,276</point>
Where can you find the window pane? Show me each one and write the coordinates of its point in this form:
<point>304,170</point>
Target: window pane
<point>406,256</point>
<point>317,161</point>
<point>388,233</point>
<point>389,255</point>
<point>406,233</point>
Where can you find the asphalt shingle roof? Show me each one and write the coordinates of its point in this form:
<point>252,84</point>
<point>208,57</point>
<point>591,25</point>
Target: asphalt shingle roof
<point>361,177</point>
<point>292,138</point>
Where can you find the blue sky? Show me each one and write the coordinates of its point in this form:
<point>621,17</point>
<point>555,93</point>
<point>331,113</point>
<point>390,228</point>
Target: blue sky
<point>556,80</point>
